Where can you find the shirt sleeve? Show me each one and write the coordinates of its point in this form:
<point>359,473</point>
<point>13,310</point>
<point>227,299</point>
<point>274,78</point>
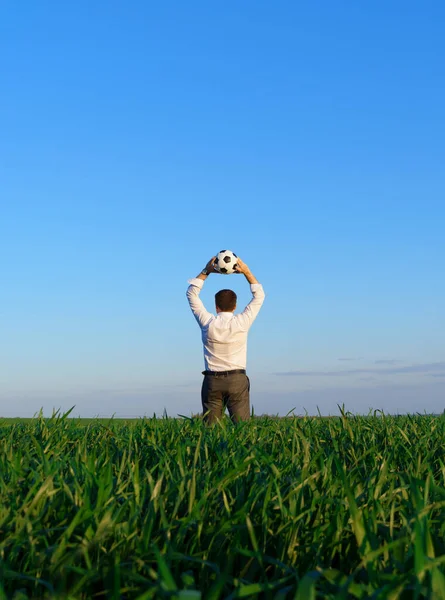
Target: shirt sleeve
<point>198,309</point>
<point>250,313</point>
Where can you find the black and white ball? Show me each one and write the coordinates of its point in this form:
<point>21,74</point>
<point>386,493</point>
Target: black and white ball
<point>225,262</point>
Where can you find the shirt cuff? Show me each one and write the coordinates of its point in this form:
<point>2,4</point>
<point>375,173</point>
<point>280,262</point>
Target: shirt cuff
<point>255,287</point>
<point>196,282</point>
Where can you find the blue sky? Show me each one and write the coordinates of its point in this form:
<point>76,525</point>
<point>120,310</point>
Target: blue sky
<point>138,139</point>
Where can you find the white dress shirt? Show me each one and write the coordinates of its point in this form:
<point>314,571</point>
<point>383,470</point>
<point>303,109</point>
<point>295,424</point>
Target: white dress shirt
<point>224,336</point>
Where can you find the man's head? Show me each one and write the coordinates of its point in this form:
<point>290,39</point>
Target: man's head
<point>225,301</point>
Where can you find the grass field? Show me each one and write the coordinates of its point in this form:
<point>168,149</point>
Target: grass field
<point>297,508</point>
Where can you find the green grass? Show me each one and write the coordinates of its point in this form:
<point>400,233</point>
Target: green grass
<point>297,508</point>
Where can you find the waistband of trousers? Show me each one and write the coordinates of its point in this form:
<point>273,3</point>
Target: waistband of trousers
<point>225,373</point>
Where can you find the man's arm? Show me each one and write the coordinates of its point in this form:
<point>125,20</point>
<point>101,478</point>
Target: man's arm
<point>198,309</point>
<point>251,311</point>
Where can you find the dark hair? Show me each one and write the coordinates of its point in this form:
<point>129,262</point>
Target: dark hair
<point>225,300</point>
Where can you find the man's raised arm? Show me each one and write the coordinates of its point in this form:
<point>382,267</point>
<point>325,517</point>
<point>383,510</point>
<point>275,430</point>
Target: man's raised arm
<point>198,309</point>
<point>251,311</point>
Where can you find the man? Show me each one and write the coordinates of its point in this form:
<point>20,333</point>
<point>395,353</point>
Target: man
<point>224,337</point>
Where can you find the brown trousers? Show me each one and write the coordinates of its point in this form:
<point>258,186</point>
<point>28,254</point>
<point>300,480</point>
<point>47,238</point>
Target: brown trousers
<point>221,391</point>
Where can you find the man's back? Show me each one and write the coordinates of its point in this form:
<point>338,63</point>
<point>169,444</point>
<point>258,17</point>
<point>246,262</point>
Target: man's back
<point>225,343</point>
<point>224,336</point>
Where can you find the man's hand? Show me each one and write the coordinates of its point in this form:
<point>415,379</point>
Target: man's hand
<point>241,267</point>
<point>210,268</point>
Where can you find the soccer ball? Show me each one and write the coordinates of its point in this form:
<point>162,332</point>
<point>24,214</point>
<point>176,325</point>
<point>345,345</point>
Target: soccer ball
<point>225,262</point>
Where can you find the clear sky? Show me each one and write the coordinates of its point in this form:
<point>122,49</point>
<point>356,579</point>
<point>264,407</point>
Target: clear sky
<point>139,138</point>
